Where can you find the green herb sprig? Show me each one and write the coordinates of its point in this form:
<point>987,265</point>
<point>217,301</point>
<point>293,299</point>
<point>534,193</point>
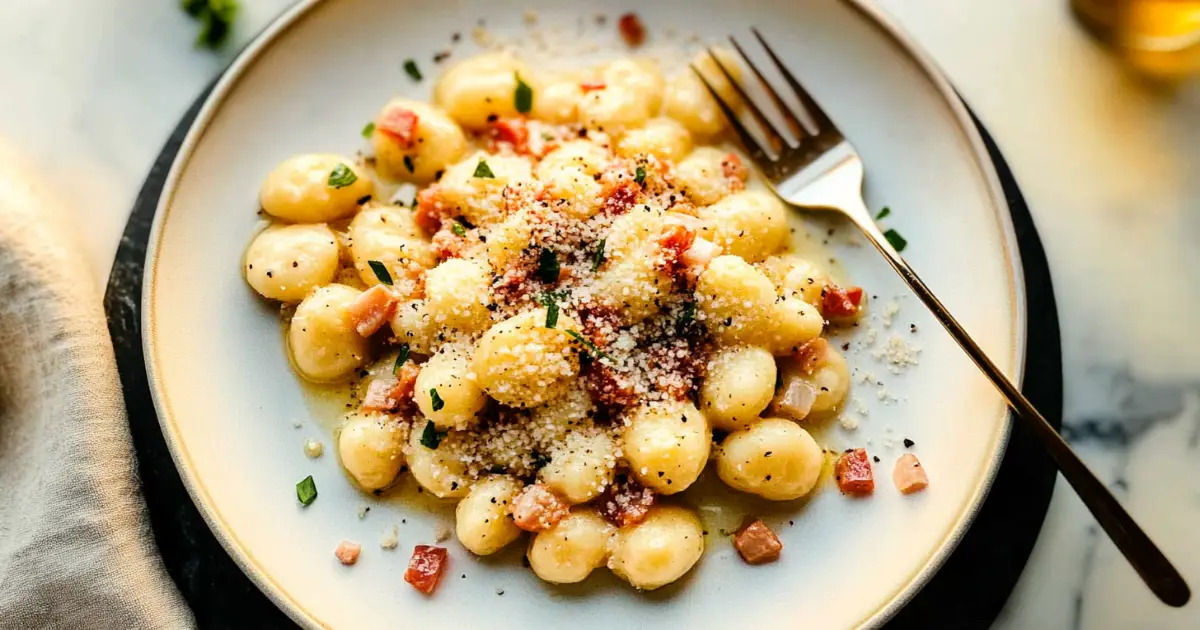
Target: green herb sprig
<point>306,490</point>
<point>341,176</point>
<point>381,271</point>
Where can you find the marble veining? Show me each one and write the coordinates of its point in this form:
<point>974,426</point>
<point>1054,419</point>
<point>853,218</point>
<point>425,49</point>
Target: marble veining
<point>1109,165</point>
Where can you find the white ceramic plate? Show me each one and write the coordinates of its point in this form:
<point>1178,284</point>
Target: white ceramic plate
<point>227,399</point>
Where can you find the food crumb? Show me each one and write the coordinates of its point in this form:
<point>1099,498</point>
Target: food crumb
<point>296,424</point>
<point>390,538</point>
<point>441,533</point>
<point>890,310</point>
<point>633,32</point>
<point>531,16</point>
<point>481,36</point>
<point>499,591</point>
<point>362,511</point>
<point>908,443</point>
<point>897,353</point>
<point>347,552</point>
<point>849,423</point>
<point>313,448</point>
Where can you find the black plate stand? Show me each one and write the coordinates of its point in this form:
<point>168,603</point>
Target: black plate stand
<point>967,593</point>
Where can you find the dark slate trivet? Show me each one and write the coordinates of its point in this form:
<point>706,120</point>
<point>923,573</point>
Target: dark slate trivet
<point>968,592</point>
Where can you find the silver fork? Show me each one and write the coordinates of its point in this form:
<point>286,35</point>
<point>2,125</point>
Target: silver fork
<point>823,171</point>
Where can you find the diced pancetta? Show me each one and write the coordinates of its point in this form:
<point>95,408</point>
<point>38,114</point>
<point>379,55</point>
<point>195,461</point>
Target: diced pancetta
<point>347,552</point>
<point>909,475</point>
<point>853,473</point>
<point>537,508</point>
<point>757,544</point>
<point>372,309</point>
<point>425,568</point>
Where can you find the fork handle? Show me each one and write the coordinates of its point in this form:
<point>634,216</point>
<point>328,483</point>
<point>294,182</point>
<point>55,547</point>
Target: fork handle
<point>1149,562</point>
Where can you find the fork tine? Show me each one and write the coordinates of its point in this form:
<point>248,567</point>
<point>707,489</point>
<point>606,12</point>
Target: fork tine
<point>752,147</point>
<point>794,123</point>
<point>819,118</point>
<point>773,136</point>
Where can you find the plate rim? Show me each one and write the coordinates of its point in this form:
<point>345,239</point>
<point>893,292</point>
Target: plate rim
<point>870,14</point>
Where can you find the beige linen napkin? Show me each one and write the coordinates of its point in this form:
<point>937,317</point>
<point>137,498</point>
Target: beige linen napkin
<point>75,543</point>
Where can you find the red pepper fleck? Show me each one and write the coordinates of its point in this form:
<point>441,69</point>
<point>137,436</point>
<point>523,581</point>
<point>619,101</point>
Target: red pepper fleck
<point>513,131</point>
<point>853,473</point>
<point>592,86</point>
<point>425,568</point>
<point>400,125</point>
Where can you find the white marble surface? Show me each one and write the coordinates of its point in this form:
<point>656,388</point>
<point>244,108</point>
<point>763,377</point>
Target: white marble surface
<point>1110,167</point>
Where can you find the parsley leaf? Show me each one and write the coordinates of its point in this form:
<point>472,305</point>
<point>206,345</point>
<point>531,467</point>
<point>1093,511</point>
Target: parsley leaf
<point>484,171</point>
<point>640,176</point>
<point>306,490</point>
<point>410,67</point>
<point>431,437</point>
<point>540,459</point>
<point>548,266</point>
<point>368,130</point>
<point>341,176</point>
<point>401,358</point>
<point>523,96</point>
<point>896,240</point>
<point>591,347</point>
<point>458,229</point>
<point>687,316</point>
<point>550,301</point>
<point>598,257</point>
<point>381,272</point>
<point>436,401</point>
<point>883,213</point>
<point>216,18</point>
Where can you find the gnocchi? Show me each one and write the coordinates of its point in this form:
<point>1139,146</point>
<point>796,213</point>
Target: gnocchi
<point>582,292</point>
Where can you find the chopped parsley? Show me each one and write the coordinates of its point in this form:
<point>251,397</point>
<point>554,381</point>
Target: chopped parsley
<point>883,213</point>
<point>341,176</point>
<point>306,490</point>
<point>591,347</point>
<point>436,401</point>
<point>540,459</point>
<point>381,272</point>
<point>484,171</point>
<point>458,229</point>
<point>401,358</point>
<point>598,256</point>
<point>411,68</point>
<point>550,300</point>
<point>368,130</point>
<point>431,437</point>
<point>523,96</point>
<point>895,239</point>
<point>216,18</point>
<point>408,164</point>
<point>640,176</point>
<point>548,266</point>
<point>687,316</point>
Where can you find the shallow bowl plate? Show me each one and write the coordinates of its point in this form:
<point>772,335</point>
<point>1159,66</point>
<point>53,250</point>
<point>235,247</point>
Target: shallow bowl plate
<point>229,404</point>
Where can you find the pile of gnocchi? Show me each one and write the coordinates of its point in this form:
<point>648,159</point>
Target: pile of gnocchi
<point>580,307</point>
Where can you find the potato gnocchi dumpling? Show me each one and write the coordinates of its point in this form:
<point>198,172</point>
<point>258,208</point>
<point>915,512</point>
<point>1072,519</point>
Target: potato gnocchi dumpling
<point>569,551</point>
<point>285,262</point>
<point>481,521</point>
<point>667,446</point>
<point>775,459</point>
<point>446,391</point>
<point>659,550</point>
<point>314,188</point>
<point>481,87</point>
<point>389,236</point>
<point>371,449</point>
<point>323,344</point>
<point>739,385</point>
<point>586,286</point>
<point>432,143</point>
<point>522,363</point>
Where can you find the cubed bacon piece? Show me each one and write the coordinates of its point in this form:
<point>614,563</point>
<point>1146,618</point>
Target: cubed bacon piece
<point>592,86</point>
<point>514,131</point>
<point>425,568</point>
<point>812,355</point>
<point>734,170</point>
<point>537,508</point>
<point>795,397</point>
<point>400,125</point>
<point>625,502</point>
<point>372,309</point>
<point>620,199</point>
<point>757,544</point>
<point>633,32</point>
<point>431,210</point>
<point>853,473</point>
<point>839,302</point>
<point>388,394</point>
<point>674,241</point>
<point>909,475</point>
<point>347,552</point>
